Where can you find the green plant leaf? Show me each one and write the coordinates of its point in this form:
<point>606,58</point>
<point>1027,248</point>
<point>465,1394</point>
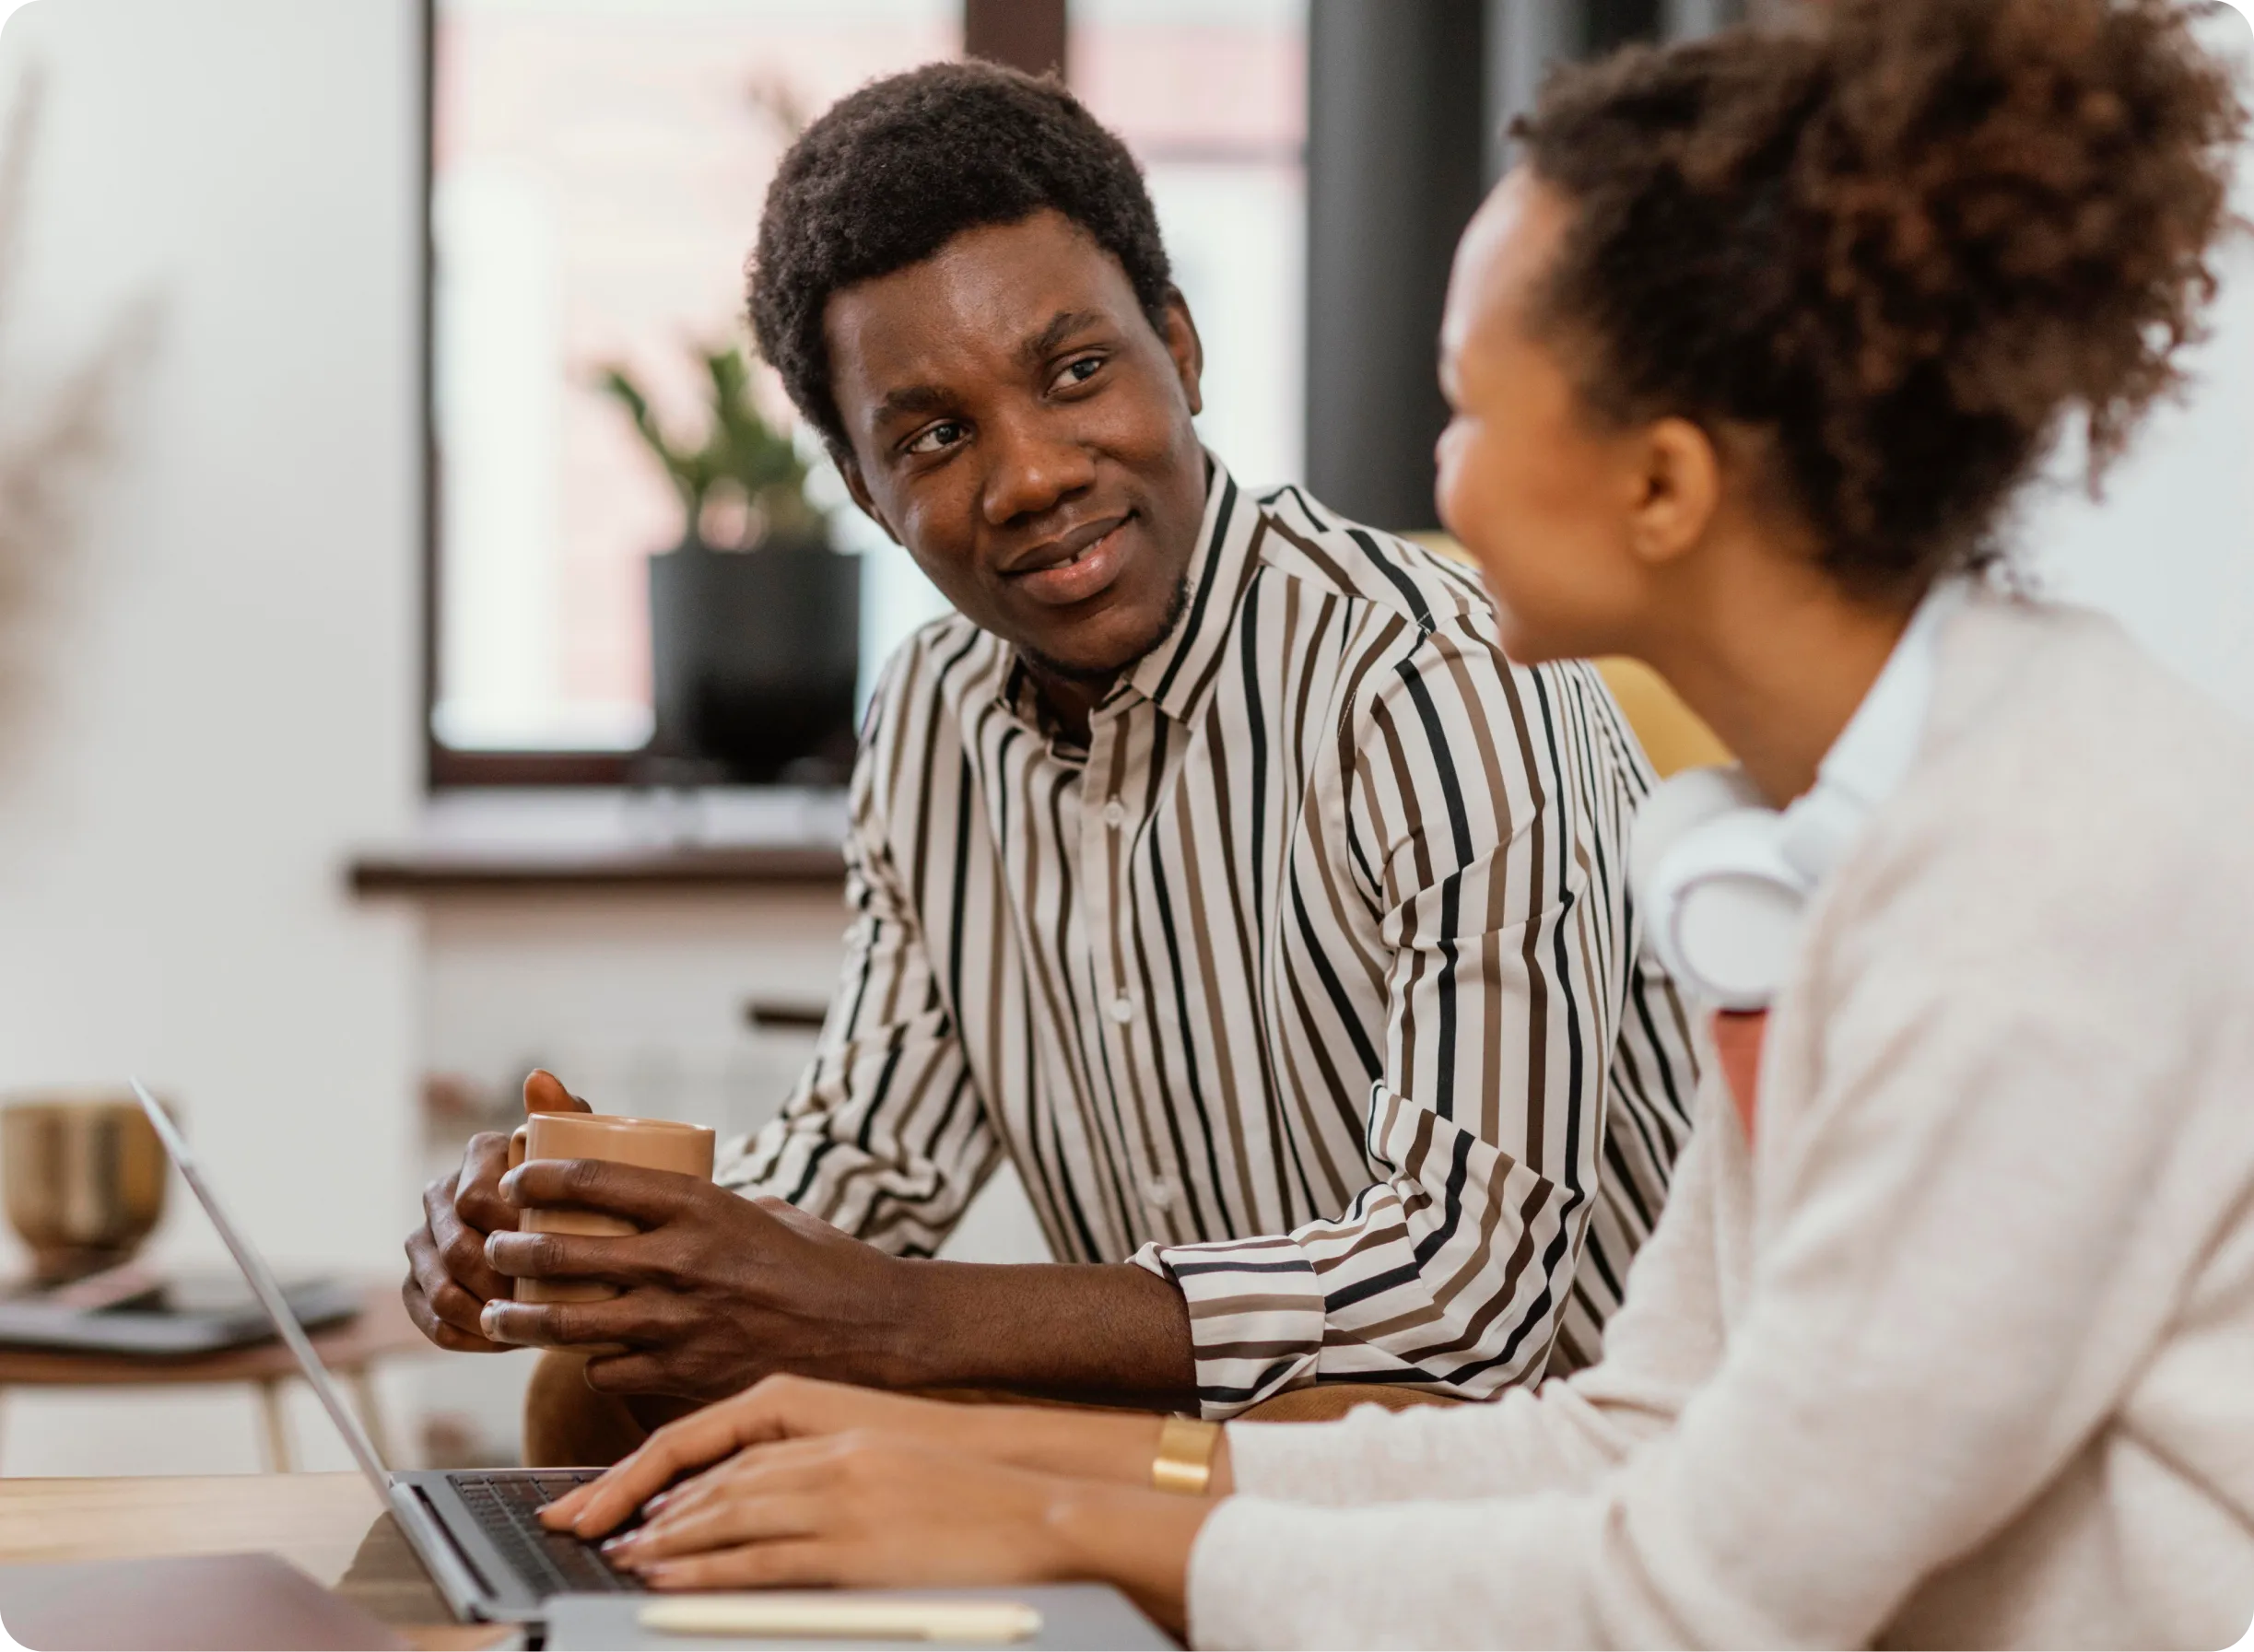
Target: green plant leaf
<point>738,445</point>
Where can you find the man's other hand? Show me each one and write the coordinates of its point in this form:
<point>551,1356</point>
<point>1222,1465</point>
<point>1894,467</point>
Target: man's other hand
<point>449,1279</point>
<point>717,1290</point>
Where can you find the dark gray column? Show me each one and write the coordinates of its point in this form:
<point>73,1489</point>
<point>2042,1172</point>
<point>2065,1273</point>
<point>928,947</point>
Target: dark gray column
<point>1527,39</point>
<point>1406,103</point>
<point>1025,34</point>
<point>1395,118</point>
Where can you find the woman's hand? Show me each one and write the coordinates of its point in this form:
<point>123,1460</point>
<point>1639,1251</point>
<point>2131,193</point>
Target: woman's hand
<point>1076,1442</point>
<point>858,1508</point>
<point>864,1509</point>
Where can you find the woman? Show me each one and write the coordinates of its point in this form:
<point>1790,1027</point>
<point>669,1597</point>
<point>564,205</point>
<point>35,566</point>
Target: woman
<point>1946,1334</point>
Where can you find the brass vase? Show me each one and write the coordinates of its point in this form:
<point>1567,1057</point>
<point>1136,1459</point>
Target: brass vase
<point>85,1179</point>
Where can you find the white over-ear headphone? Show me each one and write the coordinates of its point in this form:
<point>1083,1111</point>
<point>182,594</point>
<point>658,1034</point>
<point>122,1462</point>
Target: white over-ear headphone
<point>1724,881</point>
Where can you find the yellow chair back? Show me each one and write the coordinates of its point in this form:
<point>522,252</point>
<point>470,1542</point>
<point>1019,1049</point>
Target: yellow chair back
<point>1672,734</point>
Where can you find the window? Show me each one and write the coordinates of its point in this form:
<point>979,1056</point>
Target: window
<point>1211,95</point>
<point>597,171</point>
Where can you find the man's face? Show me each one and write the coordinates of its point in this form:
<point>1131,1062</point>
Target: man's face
<point>1021,427</point>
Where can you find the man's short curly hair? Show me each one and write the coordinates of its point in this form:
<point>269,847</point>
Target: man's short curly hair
<point>893,172</point>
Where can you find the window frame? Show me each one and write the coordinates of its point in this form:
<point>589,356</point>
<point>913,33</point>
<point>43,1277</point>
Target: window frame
<point>444,767</point>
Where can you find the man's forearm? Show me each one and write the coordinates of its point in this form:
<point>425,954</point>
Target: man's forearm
<point>1097,1332</point>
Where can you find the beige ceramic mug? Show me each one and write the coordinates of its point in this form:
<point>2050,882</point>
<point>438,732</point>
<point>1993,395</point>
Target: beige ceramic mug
<point>651,1143</point>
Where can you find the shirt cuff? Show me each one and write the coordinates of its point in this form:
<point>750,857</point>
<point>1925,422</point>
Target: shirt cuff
<point>743,1163</point>
<point>1257,1315</point>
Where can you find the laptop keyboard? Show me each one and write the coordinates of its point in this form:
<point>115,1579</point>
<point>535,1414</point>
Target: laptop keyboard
<point>507,1508</point>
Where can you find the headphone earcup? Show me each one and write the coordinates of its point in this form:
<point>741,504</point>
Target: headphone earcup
<point>1722,906</point>
<point>1725,912</point>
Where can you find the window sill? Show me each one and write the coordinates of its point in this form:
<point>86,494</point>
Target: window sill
<point>490,840</point>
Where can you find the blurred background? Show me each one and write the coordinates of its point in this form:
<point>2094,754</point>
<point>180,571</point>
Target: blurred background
<point>373,435</point>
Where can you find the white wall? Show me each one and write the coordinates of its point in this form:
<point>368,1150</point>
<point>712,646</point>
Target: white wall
<point>635,999</point>
<point>2169,549</point>
<point>234,696</point>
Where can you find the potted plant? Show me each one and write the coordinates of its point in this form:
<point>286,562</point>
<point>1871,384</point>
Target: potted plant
<point>754,618</point>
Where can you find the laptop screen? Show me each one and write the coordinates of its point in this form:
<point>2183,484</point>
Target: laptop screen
<point>263,1284</point>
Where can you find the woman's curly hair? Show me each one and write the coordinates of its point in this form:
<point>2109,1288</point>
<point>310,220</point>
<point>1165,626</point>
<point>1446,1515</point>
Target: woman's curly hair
<point>1905,240</point>
<point>891,173</point>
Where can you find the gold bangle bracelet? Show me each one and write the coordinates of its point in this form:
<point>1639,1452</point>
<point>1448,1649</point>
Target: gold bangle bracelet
<point>1184,1462</point>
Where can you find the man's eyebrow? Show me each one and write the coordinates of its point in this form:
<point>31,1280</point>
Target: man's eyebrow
<point>1062,326</point>
<point>913,398</point>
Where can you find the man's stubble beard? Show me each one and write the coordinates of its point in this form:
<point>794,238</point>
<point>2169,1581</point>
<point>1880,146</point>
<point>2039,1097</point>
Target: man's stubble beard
<point>1096,676</point>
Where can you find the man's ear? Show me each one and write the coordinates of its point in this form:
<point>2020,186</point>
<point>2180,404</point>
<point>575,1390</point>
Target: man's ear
<point>1187,349</point>
<point>849,468</point>
<point>1677,492</point>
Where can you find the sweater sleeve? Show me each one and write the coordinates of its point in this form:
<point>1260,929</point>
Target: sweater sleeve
<point>1963,1255</point>
<point>1664,1340</point>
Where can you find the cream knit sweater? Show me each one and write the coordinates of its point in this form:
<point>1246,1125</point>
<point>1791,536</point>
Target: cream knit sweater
<point>1960,1351</point>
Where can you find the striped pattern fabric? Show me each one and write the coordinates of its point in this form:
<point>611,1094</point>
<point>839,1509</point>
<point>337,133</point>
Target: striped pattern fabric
<point>1310,982</point>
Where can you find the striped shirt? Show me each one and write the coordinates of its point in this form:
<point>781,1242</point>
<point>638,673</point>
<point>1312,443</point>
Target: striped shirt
<point>1309,981</point>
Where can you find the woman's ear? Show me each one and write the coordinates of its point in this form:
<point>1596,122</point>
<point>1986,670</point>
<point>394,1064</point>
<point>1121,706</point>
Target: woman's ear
<point>1187,349</point>
<point>1678,491</point>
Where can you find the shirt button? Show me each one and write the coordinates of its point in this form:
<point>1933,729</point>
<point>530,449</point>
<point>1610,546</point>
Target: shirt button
<point>1115,814</point>
<point>1157,1192</point>
<point>1122,1009</point>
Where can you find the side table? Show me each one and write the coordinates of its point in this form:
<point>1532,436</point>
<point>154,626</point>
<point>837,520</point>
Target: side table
<point>349,1350</point>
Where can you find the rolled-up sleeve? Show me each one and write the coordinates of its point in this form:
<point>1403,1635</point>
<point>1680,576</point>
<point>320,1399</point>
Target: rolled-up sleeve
<point>1499,951</point>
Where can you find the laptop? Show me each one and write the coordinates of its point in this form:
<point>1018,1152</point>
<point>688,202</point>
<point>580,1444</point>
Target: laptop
<point>475,1529</point>
<point>476,1534</point>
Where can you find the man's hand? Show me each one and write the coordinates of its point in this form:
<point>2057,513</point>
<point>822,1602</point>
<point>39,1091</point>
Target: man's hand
<point>717,1290</point>
<point>1083,1443</point>
<point>449,1279</point>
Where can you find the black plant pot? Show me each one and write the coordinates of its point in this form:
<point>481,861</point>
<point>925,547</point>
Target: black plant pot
<point>754,655</point>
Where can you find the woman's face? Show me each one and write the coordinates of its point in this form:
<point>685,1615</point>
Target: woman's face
<point>1542,494</point>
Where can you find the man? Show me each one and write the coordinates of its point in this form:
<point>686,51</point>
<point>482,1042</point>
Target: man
<point>1211,863</point>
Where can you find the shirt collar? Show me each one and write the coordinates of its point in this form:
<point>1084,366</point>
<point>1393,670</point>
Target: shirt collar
<point>1175,675</point>
<point>1872,756</point>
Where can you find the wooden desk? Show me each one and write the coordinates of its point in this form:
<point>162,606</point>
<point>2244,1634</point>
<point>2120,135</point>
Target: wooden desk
<point>329,1526</point>
<point>381,1328</point>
